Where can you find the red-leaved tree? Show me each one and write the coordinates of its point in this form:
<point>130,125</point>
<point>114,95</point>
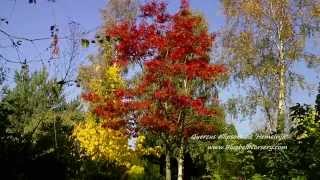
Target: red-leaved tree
<point>173,51</point>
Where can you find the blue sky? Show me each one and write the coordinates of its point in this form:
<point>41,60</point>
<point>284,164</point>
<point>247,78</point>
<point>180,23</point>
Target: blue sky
<point>34,21</point>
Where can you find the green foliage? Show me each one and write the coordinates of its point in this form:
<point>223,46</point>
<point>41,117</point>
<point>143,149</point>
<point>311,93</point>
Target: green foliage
<point>136,173</point>
<point>221,164</point>
<point>257,177</point>
<point>32,103</point>
<point>36,122</point>
<point>301,158</point>
<point>299,161</point>
<point>97,169</point>
<point>306,134</point>
<point>85,43</point>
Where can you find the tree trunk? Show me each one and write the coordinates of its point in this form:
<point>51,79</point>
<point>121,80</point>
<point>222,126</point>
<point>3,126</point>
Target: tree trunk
<point>279,125</point>
<point>281,103</point>
<point>168,166</point>
<point>181,163</point>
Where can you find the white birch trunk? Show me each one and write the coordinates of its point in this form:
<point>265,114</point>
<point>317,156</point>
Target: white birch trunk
<point>168,167</point>
<point>279,124</point>
<point>181,163</point>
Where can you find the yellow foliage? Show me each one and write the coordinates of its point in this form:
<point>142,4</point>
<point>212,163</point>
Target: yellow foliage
<point>110,81</point>
<point>99,142</point>
<point>113,77</point>
<point>100,77</point>
<point>316,11</point>
<point>246,40</point>
<point>252,8</point>
<point>135,171</point>
<point>108,144</point>
<point>141,150</point>
<point>230,7</point>
<point>287,28</point>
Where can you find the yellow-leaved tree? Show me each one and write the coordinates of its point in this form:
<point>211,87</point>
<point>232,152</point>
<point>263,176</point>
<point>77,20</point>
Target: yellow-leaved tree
<point>108,144</point>
<point>99,80</point>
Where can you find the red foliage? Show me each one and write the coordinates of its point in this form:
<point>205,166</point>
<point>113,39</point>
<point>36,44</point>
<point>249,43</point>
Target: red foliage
<point>173,49</point>
<point>199,128</point>
<point>200,68</point>
<point>157,123</point>
<point>114,124</point>
<point>92,97</point>
<point>166,91</point>
<point>139,105</point>
<point>110,110</point>
<point>155,10</point>
<point>124,93</point>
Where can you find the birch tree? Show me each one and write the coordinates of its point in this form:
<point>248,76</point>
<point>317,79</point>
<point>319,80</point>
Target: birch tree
<point>262,42</point>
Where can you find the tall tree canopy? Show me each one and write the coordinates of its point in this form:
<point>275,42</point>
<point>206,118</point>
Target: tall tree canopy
<point>262,42</point>
<point>173,51</point>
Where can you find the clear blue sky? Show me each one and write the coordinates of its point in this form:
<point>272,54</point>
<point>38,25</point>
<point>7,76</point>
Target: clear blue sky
<point>34,21</point>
